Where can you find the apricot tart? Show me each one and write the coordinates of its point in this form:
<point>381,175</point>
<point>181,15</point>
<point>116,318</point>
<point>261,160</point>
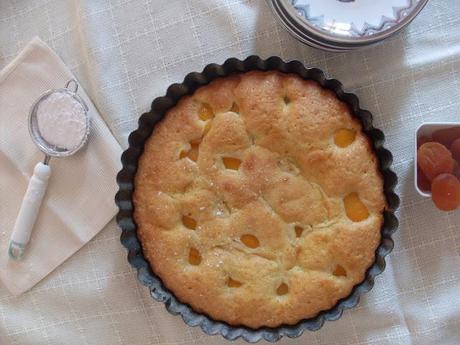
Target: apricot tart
<point>259,200</point>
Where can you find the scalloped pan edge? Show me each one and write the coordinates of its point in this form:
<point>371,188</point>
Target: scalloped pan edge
<point>125,180</point>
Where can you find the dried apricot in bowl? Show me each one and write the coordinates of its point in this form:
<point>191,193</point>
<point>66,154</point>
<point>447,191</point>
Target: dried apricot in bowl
<point>422,181</point>
<point>457,170</point>
<point>445,191</point>
<point>455,149</point>
<point>434,159</point>
<point>422,140</point>
<point>446,136</point>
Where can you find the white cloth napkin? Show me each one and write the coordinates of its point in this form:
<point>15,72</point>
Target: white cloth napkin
<point>79,200</point>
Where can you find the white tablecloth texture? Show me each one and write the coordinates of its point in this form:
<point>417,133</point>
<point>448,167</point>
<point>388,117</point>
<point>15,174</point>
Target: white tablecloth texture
<point>126,52</point>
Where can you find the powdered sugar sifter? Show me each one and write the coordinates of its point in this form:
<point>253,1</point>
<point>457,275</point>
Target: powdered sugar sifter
<point>59,126</point>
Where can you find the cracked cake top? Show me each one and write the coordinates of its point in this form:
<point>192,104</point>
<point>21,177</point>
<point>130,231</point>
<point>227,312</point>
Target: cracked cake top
<point>258,199</point>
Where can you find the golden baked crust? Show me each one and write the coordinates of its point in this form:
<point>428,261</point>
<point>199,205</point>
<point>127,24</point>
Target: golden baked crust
<point>272,242</point>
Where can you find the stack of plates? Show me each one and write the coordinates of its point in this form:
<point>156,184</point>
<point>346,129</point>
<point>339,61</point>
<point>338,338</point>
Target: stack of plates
<point>342,25</point>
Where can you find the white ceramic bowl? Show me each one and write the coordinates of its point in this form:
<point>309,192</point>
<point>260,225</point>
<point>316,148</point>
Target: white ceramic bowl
<point>343,25</point>
<point>427,129</point>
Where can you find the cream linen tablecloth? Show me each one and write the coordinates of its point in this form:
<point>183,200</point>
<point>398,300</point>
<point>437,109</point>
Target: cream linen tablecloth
<point>125,53</point>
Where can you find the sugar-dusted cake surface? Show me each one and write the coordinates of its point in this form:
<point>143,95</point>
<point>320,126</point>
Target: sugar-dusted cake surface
<point>258,200</point>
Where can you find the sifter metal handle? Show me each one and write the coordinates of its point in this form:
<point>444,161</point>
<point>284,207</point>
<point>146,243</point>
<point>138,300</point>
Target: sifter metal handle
<point>75,85</point>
